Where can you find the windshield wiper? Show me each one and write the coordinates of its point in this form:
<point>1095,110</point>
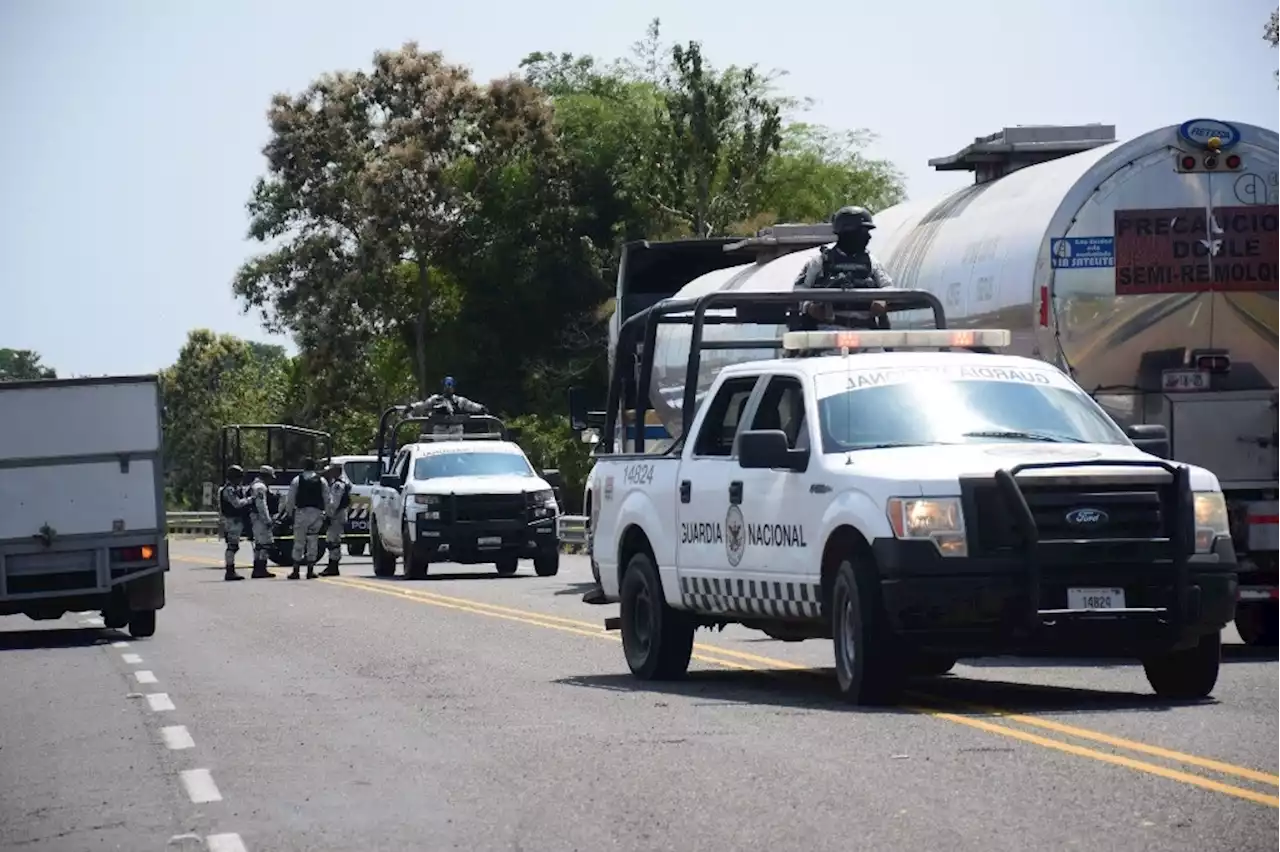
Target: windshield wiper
<point>1026,436</point>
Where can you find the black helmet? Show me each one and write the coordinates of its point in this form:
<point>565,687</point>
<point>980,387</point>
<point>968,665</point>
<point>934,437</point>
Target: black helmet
<point>234,471</point>
<point>848,219</point>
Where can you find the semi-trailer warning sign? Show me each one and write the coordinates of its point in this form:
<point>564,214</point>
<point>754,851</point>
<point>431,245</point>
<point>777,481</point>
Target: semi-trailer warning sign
<point>1189,250</point>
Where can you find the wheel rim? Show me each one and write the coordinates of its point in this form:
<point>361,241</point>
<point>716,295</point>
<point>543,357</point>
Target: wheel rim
<point>847,641</point>
<point>641,620</point>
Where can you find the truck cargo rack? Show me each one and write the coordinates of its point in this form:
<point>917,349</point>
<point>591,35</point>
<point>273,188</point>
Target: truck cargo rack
<point>750,308</point>
<point>318,445</point>
<point>495,430</point>
<point>1177,545</point>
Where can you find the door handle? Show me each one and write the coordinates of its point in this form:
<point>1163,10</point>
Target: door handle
<point>735,492</point>
<point>686,491</point>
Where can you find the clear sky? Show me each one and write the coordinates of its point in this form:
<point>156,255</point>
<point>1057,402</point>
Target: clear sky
<point>132,130</point>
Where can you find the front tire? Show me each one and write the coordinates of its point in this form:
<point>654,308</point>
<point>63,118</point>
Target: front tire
<point>281,555</point>
<point>356,548</point>
<point>507,565</point>
<point>384,563</point>
<point>415,567</point>
<point>1187,674</point>
<point>867,670</point>
<point>1257,623</point>
<point>142,623</point>
<point>656,639</point>
<point>547,564</point>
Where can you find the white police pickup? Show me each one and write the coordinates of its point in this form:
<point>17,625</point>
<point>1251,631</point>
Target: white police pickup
<point>449,499</point>
<point>917,507</point>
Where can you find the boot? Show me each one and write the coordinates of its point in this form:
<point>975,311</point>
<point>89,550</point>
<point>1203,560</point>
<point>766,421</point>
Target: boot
<point>260,570</point>
<point>294,575</point>
<point>311,571</point>
<point>231,574</point>
<point>331,570</point>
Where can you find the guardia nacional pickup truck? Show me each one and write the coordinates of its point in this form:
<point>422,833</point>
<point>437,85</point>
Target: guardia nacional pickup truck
<point>914,506</point>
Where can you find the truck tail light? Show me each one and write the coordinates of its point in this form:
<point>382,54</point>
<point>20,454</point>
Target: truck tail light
<point>1233,161</point>
<point>1213,361</point>
<point>138,553</point>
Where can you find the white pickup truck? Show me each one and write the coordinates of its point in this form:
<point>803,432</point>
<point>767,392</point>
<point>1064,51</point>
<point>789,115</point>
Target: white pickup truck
<point>82,490</point>
<point>916,507</point>
<point>455,496</point>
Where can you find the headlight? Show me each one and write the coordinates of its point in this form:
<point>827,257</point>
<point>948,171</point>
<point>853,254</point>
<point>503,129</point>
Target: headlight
<point>542,503</point>
<point>939,519</point>
<point>1211,519</point>
<point>427,499</point>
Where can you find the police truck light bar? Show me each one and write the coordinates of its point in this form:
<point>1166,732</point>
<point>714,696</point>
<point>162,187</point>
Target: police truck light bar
<point>964,338</point>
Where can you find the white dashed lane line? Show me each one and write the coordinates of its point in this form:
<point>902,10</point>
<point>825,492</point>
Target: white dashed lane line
<point>200,787</point>
<point>177,738</point>
<point>159,701</point>
<point>224,843</point>
<point>198,783</point>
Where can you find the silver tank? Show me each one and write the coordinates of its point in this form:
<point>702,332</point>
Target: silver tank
<point>987,252</point>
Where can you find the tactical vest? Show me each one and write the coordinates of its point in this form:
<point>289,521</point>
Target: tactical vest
<point>226,500</point>
<point>845,271</point>
<point>310,495</point>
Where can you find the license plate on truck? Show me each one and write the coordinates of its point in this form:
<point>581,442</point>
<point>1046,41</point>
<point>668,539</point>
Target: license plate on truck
<point>1185,380</point>
<point>1095,598</point>
<point>489,541</point>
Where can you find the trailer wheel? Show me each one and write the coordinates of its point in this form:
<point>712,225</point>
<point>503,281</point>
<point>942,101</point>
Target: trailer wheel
<point>656,639</point>
<point>1189,673</point>
<point>1258,623</point>
<point>142,623</point>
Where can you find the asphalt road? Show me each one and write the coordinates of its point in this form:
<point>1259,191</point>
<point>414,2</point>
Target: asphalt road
<point>468,712</point>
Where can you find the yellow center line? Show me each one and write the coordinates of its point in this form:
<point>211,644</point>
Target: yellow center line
<point>703,653</point>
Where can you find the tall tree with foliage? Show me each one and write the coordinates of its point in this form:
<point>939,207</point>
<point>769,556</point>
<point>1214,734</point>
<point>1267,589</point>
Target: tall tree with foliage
<point>218,379</point>
<point>371,178</point>
<point>17,365</point>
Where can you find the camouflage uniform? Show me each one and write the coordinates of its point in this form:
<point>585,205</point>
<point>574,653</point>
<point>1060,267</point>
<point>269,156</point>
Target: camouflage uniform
<point>231,511</point>
<point>336,511</point>
<point>261,520</point>
<point>308,497</point>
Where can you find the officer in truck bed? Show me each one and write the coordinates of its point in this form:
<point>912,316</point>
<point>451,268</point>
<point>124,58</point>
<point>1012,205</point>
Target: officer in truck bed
<point>849,266</point>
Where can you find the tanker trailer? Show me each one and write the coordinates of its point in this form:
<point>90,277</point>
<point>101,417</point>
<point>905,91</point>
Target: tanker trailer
<point>1147,269</point>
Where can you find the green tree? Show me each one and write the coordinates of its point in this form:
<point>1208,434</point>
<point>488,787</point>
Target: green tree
<point>217,379</point>
<point>1272,32</point>
<point>371,177</point>
<point>18,365</point>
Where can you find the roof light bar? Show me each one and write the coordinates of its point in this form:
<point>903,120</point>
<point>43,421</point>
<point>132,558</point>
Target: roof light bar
<point>988,338</point>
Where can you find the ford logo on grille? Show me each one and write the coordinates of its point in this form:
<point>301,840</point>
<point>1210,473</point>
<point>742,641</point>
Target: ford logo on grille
<point>1087,517</point>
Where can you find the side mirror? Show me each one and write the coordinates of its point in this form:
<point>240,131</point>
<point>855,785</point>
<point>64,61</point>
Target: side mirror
<point>389,480</point>
<point>1151,438</point>
<point>553,478</point>
<point>577,409</point>
<point>767,449</point>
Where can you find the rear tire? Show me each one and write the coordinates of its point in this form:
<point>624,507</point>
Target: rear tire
<point>547,564</point>
<point>281,555</point>
<point>928,664</point>
<point>1187,674</point>
<point>656,639</point>
<point>507,566</point>
<point>1258,623</point>
<point>384,564</point>
<point>356,548</point>
<point>868,667</point>
<point>142,623</point>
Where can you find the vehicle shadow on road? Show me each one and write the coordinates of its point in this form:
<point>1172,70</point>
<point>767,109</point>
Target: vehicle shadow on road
<point>451,575</point>
<point>57,637</point>
<point>815,689</point>
<point>578,589</point>
<point>1230,654</point>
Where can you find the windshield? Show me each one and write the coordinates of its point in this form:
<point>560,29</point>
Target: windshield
<point>470,464</point>
<point>914,406</point>
<point>361,472</point>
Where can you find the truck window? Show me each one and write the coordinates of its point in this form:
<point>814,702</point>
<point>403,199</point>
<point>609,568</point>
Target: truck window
<point>402,466</point>
<point>720,426</point>
<point>361,472</point>
<point>782,407</point>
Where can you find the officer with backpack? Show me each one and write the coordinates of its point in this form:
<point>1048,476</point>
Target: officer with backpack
<point>847,265</point>
<point>336,511</point>
<point>307,501</point>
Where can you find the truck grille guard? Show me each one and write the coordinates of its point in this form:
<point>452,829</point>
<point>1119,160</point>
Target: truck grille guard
<point>1179,526</point>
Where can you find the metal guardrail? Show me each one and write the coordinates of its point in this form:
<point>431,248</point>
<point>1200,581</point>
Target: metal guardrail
<point>572,528</point>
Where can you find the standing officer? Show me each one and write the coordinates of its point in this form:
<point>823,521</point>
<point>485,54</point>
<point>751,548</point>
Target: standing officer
<point>848,266</point>
<point>260,517</point>
<point>336,511</point>
<point>307,500</point>
<point>456,402</point>
<point>231,508</point>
